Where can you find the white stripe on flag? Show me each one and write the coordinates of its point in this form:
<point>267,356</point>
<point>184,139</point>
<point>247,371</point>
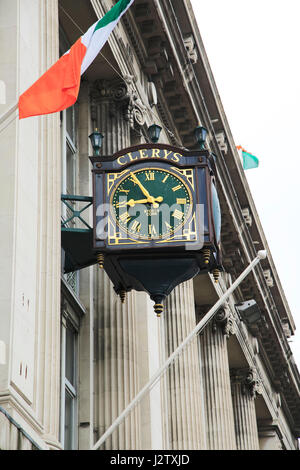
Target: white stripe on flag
<point>94,41</point>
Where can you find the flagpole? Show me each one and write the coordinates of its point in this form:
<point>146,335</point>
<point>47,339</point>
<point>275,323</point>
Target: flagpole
<point>200,326</point>
<point>8,112</point>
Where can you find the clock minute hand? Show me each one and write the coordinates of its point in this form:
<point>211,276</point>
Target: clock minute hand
<point>144,190</point>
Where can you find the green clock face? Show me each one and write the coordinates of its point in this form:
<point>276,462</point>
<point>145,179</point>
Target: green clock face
<point>151,203</point>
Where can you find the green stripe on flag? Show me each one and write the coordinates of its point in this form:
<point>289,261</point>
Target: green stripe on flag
<point>113,14</point>
<point>249,161</point>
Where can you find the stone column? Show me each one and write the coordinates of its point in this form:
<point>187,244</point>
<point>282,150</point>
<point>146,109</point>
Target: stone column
<point>30,249</point>
<point>86,284</point>
<point>216,377</point>
<point>117,379</point>
<point>186,420</point>
<point>245,386</point>
<point>49,242</point>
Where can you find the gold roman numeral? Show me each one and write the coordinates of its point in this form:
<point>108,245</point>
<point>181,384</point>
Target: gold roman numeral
<point>181,200</point>
<point>133,180</point>
<point>152,230</point>
<point>136,226</point>
<point>177,188</point>
<point>121,204</point>
<point>165,178</point>
<point>150,176</point>
<point>125,218</point>
<point>178,214</point>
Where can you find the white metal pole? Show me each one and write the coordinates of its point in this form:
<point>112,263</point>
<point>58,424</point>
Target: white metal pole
<point>260,255</point>
<point>8,112</point>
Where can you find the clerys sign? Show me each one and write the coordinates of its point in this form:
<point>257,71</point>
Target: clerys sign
<point>150,154</point>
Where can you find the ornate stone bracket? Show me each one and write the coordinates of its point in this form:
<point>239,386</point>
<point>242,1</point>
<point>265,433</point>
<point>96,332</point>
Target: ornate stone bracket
<point>224,319</point>
<point>252,382</point>
<point>190,45</point>
<point>249,380</point>
<point>122,93</point>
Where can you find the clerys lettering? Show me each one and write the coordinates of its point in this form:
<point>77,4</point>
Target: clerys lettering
<point>144,154</point>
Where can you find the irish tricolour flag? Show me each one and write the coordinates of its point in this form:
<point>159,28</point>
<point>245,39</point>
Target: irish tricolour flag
<point>58,88</point>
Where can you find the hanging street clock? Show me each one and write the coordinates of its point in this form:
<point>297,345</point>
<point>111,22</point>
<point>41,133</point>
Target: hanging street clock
<point>140,186</point>
<point>156,218</point>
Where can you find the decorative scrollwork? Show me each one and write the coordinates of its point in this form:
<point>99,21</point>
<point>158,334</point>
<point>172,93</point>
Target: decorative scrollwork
<point>253,383</point>
<point>139,113</point>
<point>122,93</point>
<point>225,320</point>
<point>249,380</point>
<point>119,92</point>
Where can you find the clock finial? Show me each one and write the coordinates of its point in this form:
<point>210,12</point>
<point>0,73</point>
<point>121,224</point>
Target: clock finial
<point>158,304</point>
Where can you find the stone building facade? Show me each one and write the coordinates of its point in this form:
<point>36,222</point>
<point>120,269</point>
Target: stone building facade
<point>72,355</point>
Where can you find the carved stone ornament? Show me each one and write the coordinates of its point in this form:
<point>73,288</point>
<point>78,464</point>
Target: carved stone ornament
<point>221,139</point>
<point>224,319</point>
<point>190,46</point>
<point>122,93</point>
<point>249,380</point>
<point>253,383</point>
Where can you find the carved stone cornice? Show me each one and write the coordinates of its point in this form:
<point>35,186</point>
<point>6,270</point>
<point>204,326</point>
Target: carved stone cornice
<point>121,93</point>
<point>225,320</point>
<point>249,380</point>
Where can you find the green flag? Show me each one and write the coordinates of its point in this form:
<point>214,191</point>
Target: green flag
<point>249,161</point>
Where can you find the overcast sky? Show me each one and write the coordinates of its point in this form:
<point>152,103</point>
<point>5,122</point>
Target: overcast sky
<point>253,50</point>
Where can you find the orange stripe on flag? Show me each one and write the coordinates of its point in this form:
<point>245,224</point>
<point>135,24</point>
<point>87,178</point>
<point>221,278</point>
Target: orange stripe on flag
<point>58,88</point>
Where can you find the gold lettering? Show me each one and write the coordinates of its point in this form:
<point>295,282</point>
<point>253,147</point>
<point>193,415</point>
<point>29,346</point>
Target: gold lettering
<point>176,157</point>
<point>167,154</point>
<point>155,153</point>
<point>119,160</point>
<point>131,157</point>
<point>143,154</point>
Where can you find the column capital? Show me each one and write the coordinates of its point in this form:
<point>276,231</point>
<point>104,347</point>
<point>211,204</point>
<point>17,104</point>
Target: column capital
<point>121,92</point>
<point>249,380</point>
<point>225,320</point>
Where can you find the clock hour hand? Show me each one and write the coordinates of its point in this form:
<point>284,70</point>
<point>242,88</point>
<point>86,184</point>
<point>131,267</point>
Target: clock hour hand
<point>154,201</point>
<point>132,202</point>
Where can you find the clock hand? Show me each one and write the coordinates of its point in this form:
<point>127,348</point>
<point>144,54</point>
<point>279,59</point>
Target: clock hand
<point>154,200</point>
<point>132,202</point>
<point>144,190</point>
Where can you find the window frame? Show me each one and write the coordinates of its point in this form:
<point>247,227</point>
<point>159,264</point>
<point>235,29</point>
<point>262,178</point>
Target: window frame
<point>72,312</point>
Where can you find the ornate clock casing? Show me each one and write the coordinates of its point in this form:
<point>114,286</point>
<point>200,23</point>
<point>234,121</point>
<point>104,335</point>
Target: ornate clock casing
<point>156,218</point>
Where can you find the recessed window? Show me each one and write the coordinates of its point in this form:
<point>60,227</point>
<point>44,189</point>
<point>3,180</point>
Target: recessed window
<point>69,380</point>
